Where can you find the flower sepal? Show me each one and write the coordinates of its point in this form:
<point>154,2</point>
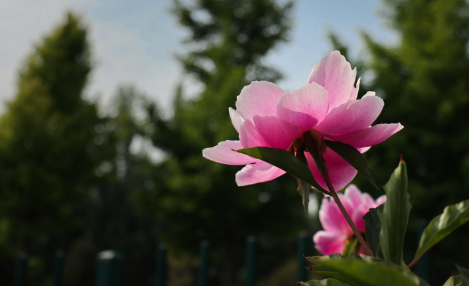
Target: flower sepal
<point>351,248</point>
<point>303,187</point>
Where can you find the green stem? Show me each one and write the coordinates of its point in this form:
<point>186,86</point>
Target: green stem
<point>414,261</point>
<point>314,149</point>
<point>358,235</point>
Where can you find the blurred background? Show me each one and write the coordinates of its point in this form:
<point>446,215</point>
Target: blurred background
<point>106,106</point>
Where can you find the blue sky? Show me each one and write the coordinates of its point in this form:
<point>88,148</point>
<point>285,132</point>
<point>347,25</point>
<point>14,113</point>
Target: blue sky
<point>135,41</point>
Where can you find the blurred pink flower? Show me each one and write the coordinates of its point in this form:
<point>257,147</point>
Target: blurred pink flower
<point>267,116</point>
<point>337,233</point>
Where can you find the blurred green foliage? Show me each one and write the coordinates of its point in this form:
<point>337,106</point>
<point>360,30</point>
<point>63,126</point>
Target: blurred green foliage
<point>66,171</point>
<point>48,151</point>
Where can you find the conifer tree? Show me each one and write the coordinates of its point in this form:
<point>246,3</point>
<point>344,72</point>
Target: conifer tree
<point>113,221</point>
<point>51,141</point>
<point>423,80</point>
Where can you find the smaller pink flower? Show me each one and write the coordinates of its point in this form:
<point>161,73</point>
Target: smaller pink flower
<point>337,233</point>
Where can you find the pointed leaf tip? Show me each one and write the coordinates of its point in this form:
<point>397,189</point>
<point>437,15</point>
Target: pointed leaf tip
<point>394,215</point>
<point>351,248</point>
<point>453,216</point>
<point>454,281</point>
<point>464,274</point>
<point>372,229</point>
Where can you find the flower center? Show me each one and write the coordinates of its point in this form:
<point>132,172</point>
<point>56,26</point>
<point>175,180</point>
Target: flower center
<point>319,139</point>
<point>316,136</point>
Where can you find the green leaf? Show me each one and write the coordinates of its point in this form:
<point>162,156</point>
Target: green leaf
<point>303,187</point>
<point>370,272</point>
<point>454,281</point>
<point>350,248</point>
<point>285,161</point>
<point>354,158</point>
<point>394,215</point>
<point>404,266</point>
<point>452,217</point>
<point>325,282</point>
<point>372,229</point>
<point>464,275</point>
<point>313,150</point>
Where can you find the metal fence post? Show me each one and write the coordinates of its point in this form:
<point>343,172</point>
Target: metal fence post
<point>161,266</point>
<point>423,265</point>
<point>21,271</point>
<point>110,264</point>
<point>58,267</point>
<point>203,267</point>
<point>250,260</point>
<point>302,246</point>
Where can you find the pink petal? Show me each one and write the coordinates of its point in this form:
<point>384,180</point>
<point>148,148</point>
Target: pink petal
<point>348,204</point>
<point>354,195</point>
<point>368,136</point>
<point>336,228</point>
<point>363,149</point>
<point>257,173</point>
<point>258,98</point>
<point>335,74</point>
<point>304,107</point>
<point>357,218</point>
<point>358,213</point>
<point>361,251</point>
<point>340,172</point>
<point>351,116</point>
<point>354,93</point>
<point>368,201</point>
<point>361,209</point>
<point>277,132</point>
<point>332,219</point>
<point>381,200</point>
<point>357,210</point>
<point>236,119</point>
<point>329,243</point>
<point>223,153</point>
<point>250,137</point>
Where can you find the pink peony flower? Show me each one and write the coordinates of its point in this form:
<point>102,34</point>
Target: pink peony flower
<point>267,116</point>
<point>337,233</point>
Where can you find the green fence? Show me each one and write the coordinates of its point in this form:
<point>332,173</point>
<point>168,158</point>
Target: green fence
<point>111,264</point>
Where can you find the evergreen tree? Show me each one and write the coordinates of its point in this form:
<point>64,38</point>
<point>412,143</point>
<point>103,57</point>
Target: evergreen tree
<point>116,223</point>
<point>113,221</point>
<point>196,198</point>
<point>51,143</point>
<point>423,81</point>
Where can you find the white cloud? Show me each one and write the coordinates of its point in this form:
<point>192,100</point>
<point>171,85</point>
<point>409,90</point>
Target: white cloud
<point>123,54</point>
<point>22,25</point>
<point>134,41</point>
